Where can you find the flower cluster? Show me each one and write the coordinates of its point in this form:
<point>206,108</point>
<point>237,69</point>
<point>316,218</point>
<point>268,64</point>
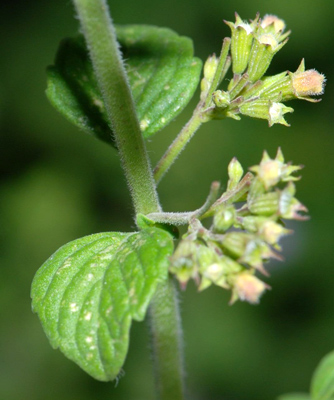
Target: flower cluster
<point>252,47</point>
<point>247,224</point>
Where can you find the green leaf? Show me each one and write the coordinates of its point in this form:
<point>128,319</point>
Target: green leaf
<point>295,396</point>
<point>87,294</point>
<point>322,384</point>
<point>162,71</point>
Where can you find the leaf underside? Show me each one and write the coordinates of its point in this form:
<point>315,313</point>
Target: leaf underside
<point>162,71</point>
<point>87,294</point>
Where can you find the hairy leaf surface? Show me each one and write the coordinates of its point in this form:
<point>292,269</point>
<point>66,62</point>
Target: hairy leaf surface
<point>162,71</point>
<point>88,292</point>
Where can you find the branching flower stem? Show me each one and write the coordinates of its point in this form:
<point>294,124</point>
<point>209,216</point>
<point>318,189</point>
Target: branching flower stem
<point>197,118</point>
<point>178,144</point>
<point>100,36</point>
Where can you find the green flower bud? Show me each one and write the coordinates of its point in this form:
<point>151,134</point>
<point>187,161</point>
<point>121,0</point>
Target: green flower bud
<point>235,172</point>
<point>247,287</point>
<point>255,253</point>
<point>221,99</point>
<point>209,70</point>
<point>224,218</point>
<point>267,42</point>
<point>183,262</point>
<point>266,204</point>
<point>242,38</point>
<point>210,67</point>
<point>220,273</point>
<point>235,243</point>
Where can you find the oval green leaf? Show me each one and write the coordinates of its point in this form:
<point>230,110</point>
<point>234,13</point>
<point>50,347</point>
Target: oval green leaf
<point>87,294</point>
<point>322,384</point>
<point>162,71</point>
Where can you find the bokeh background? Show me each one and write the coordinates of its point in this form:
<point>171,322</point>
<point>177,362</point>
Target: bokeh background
<point>58,184</point>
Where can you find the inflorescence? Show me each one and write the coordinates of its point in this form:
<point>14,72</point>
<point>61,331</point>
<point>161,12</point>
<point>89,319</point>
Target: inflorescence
<point>250,51</point>
<point>247,224</point>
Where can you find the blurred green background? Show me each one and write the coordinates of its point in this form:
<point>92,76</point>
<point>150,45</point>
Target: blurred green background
<point>58,184</point>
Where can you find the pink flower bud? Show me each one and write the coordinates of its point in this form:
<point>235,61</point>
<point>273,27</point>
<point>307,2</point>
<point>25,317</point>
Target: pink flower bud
<point>248,287</point>
<point>308,83</point>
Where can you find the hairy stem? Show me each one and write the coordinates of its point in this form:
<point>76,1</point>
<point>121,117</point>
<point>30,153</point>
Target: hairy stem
<point>178,144</point>
<point>167,343</point>
<point>197,118</point>
<point>111,76</point>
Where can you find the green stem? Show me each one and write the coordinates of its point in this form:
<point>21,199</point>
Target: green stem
<point>178,144</point>
<point>167,343</point>
<point>197,118</point>
<point>112,79</point>
<point>111,76</point>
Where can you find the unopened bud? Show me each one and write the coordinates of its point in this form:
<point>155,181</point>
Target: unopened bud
<point>235,172</point>
<point>266,204</point>
<point>308,83</point>
<point>242,37</point>
<point>234,243</point>
<point>210,67</point>
<point>209,71</point>
<point>221,98</point>
<point>265,46</point>
<point>255,253</point>
<point>183,262</point>
<point>248,287</point>
<point>224,218</point>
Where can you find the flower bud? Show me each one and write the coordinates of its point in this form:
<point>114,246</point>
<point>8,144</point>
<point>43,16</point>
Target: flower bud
<point>235,172</point>
<point>308,83</point>
<point>210,68</point>
<point>266,204</point>
<point>255,253</point>
<point>242,37</point>
<point>234,243</point>
<point>220,273</point>
<point>183,263</point>
<point>221,99</point>
<point>247,287</point>
<point>224,218</point>
<point>267,42</point>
